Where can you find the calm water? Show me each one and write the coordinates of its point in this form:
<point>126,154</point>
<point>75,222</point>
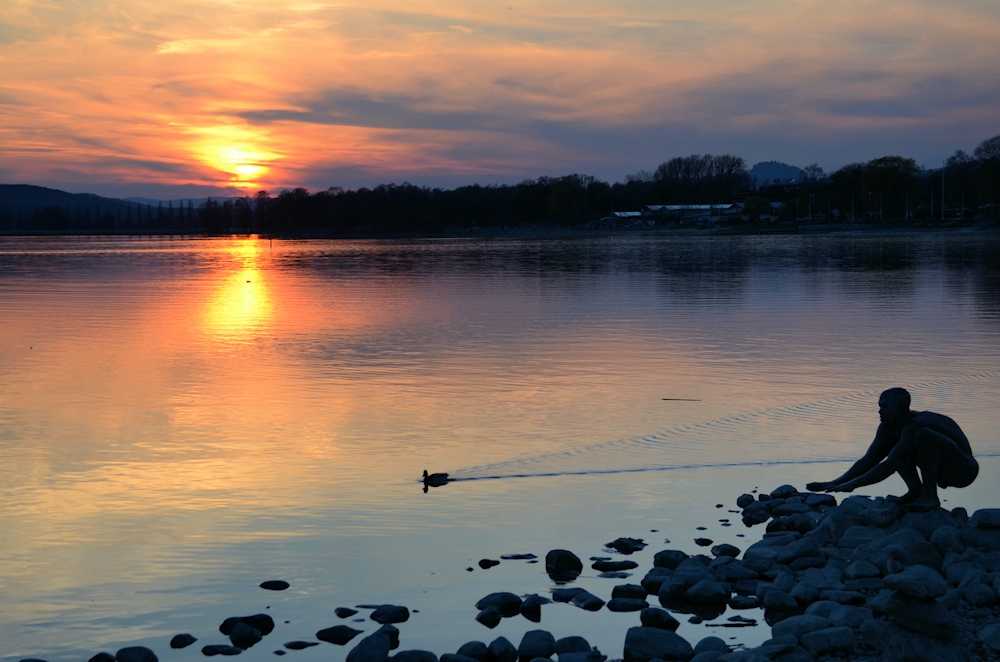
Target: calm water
<point>183,419</point>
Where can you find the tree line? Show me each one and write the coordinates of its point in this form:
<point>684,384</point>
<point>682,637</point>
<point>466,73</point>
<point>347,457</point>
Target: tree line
<point>885,189</point>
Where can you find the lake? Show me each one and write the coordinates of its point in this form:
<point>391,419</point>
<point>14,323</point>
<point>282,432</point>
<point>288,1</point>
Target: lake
<point>182,419</point>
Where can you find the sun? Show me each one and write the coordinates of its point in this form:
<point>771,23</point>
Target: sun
<point>237,151</point>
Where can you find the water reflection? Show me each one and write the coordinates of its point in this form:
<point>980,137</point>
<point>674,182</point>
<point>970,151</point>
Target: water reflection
<point>180,414</point>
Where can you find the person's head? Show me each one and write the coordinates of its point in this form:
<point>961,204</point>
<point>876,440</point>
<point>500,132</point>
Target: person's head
<point>893,404</point>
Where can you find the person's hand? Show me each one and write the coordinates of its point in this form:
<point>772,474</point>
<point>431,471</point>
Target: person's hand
<point>818,487</point>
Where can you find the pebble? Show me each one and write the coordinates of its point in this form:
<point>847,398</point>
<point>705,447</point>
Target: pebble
<point>563,563</point>
<point>486,564</point>
<point>135,654</point>
<point>182,641</point>
<point>220,649</point>
<point>490,617</point>
<point>508,603</point>
<point>338,634</point>
<point>244,635</point>
<point>703,542</point>
<point>274,585</point>
<point>390,614</point>
<point>344,612</point>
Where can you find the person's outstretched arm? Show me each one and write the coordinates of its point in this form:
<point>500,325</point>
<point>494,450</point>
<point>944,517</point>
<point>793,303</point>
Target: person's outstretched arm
<point>877,452</point>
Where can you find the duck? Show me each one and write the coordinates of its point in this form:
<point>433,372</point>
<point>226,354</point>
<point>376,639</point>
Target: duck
<point>435,480</point>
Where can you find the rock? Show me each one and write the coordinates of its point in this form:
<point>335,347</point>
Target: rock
<point>302,645</point>
<point>182,641</point>
<point>744,500</point>
<point>338,634</point>
<point>797,549</point>
<point>518,557</point>
<point>755,513</point>
<point>626,604</point>
<point>916,550</point>
<point>797,626</point>
<point>244,636</point>
<point>857,536</point>
<point>804,562</point>
<point>501,650</point>
<point>828,640</point>
<point>565,594</point>
<point>703,542</point>
<point>531,607</point>
<point>947,539</point>
<point>784,492</point>
<point>643,644</point>
<point>707,592</point>
<point>987,540</point>
<point>844,597</point>
<point>986,518</point>
<point>394,614</point>
<point>872,632</point>
<point>711,644</point>
<point>626,545</point>
<point>260,622</point>
<point>654,580</point>
<point>535,644</point>
<point>614,566</point>
<point>392,632</point>
<point>706,656</point>
<point>902,645</point>
<point>274,585</point>
<point>660,619</point>
<point>817,500</point>
<point>563,564</point>
<point>135,654</point>
<point>726,550</point>
<point>100,657</point>
<point>849,615</point>
<point>571,645</point>
<point>918,581</point>
<point>486,564</point>
<point>881,513</point>
<point>344,612</point>
<point>861,570</point>
<point>779,601</point>
<point>220,649</point>
<point>924,616</point>
<point>508,603</point>
<point>669,558</point>
<point>805,593</point>
<point>735,571</point>
<point>990,636</point>
<point>957,571</point>
<point>744,602</point>
<point>629,591</point>
<point>373,648</point>
<point>979,595</point>
<point>786,509</point>
<point>415,656</point>
<point>475,649</point>
<point>448,657</point>
<point>490,617</point>
<point>587,601</point>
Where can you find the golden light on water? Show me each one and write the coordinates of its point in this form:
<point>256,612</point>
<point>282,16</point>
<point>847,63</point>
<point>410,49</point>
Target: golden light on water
<point>243,304</point>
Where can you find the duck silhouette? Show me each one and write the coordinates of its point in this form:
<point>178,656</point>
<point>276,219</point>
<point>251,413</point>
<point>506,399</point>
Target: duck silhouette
<point>434,480</point>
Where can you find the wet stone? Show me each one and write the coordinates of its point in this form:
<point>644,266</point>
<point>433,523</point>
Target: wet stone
<point>486,564</point>
<point>629,591</point>
<point>274,585</point>
<point>182,641</point>
<point>344,612</point>
<point>655,617</point>
<point>338,634</point>
<point>300,645</point>
<point>135,654</point>
<point>703,542</point>
<point>501,650</point>
<point>614,566</point>
<point>490,617</point>
<point>415,656</point>
<point>508,603</point>
<point>390,614</point>
<point>627,604</point>
<point>572,644</point>
<point>221,649</point>
<point>100,657</point>
<point>474,649</point>
<point>244,636</point>
<point>627,545</point>
<point>563,563</point>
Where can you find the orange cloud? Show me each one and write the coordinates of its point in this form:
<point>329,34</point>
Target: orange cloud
<point>250,94</point>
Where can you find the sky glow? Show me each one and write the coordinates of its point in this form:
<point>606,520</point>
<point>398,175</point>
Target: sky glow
<point>193,97</point>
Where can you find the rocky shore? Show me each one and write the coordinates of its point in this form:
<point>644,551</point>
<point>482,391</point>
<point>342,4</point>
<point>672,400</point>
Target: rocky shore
<point>860,580</point>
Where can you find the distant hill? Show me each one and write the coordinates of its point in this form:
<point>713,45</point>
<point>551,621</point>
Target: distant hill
<point>774,172</point>
<point>26,208</point>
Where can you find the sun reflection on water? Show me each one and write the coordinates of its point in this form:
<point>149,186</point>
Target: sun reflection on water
<point>243,305</point>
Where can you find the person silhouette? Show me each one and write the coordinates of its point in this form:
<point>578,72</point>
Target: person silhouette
<point>906,441</point>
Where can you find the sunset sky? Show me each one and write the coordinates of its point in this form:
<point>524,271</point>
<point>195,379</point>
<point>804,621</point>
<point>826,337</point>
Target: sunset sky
<point>188,98</point>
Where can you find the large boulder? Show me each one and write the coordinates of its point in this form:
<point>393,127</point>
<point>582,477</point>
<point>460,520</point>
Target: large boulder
<point>475,649</point>
<point>918,581</point>
<point>501,650</point>
<point>928,617</point>
<point>828,640</point>
<point>669,558</point>
<point>797,626</point>
<point>643,644</point>
<point>986,518</point>
<point>535,644</point>
<point>373,648</point>
<point>660,619</point>
<point>563,563</point>
<point>508,603</point>
<point>798,549</point>
<point>918,551</point>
